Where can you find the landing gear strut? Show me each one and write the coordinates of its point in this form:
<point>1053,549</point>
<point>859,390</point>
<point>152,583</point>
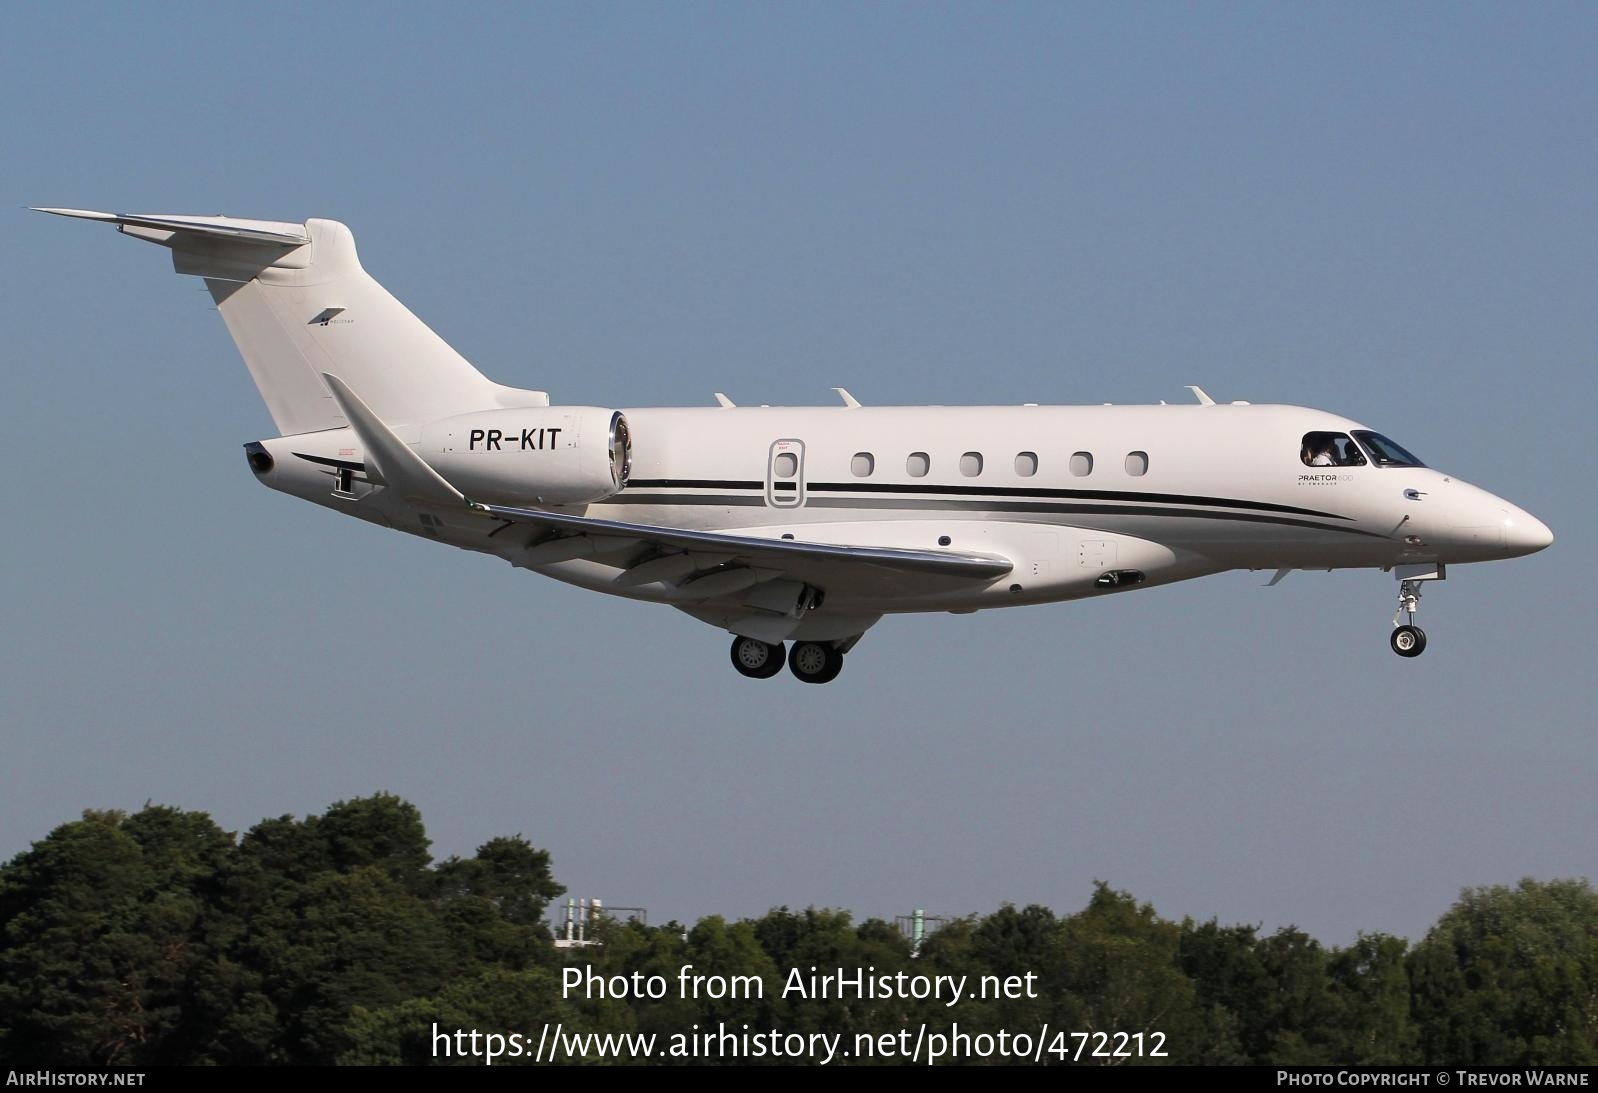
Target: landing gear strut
<point>1408,640</point>
<point>758,659</point>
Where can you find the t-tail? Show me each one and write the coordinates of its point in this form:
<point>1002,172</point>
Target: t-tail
<point>299,306</point>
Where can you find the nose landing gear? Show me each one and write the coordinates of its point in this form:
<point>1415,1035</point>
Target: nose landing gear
<point>1409,640</point>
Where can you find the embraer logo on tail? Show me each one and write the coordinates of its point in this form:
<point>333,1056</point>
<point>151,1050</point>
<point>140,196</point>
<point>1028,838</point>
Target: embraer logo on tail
<point>531,440</point>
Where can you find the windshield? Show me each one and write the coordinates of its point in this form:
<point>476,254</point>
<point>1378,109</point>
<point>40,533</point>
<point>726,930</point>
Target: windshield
<point>1385,453</point>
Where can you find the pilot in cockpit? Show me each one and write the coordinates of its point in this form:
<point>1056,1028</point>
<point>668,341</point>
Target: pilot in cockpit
<point>1328,449</point>
<point>1322,456</point>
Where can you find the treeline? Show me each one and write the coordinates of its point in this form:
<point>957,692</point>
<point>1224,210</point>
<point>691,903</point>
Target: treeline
<point>157,938</point>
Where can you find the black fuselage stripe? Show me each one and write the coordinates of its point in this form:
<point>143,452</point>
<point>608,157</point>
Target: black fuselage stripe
<point>695,484</point>
<point>347,464</point>
<point>631,498</point>
<point>924,488</point>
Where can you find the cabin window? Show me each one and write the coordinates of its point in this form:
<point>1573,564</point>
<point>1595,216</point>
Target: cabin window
<point>1137,464</point>
<point>863,464</point>
<point>1082,464</point>
<point>785,465</point>
<point>1384,452</point>
<point>918,464</point>
<point>1026,464</point>
<point>971,464</point>
<point>1327,449</point>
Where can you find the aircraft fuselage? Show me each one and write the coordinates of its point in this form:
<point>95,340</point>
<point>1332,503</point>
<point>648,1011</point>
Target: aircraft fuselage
<point>1055,488</point>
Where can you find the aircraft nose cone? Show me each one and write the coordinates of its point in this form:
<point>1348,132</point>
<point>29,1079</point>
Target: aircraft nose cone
<point>1524,533</point>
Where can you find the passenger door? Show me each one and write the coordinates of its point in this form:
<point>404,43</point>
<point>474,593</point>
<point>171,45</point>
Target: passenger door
<point>785,474</point>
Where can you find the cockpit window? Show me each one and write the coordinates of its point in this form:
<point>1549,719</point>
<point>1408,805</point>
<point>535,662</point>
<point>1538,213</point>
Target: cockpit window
<point>1330,450</point>
<point>1384,453</point>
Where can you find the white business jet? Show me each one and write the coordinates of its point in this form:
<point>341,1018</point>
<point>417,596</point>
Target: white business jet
<point>803,525</point>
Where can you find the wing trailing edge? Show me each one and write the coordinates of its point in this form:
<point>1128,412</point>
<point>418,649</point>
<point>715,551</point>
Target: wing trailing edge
<point>757,550</point>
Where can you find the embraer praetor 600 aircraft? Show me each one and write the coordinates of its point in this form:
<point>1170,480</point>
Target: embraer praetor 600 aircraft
<point>803,525</point>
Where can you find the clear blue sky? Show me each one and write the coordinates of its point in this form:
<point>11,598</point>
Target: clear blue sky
<point>1383,211</point>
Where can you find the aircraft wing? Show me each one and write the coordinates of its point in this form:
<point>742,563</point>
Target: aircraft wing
<point>787,556</point>
<point>703,565</point>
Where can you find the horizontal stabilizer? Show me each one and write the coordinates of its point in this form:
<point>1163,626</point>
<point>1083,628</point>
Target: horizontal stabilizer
<point>217,227</point>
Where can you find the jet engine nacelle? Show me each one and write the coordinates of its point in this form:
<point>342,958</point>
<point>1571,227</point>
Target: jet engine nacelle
<point>545,455</point>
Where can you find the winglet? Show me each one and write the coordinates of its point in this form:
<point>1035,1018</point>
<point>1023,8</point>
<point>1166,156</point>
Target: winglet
<point>1198,393</point>
<point>397,465</point>
<point>724,402</point>
<point>848,399</point>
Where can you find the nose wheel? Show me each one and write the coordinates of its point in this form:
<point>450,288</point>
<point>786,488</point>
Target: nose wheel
<point>1408,640</point>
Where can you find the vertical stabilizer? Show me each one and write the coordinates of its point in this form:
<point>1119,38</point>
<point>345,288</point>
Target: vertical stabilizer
<point>299,305</point>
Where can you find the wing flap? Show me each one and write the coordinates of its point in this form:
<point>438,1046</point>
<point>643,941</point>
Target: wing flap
<point>780,554</point>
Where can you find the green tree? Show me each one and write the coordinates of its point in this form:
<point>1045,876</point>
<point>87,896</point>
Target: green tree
<point>1297,1011</point>
<point>1118,973</point>
<point>508,872</point>
<point>332,914</point>
<point>420,1031</point>
<point>820,942</point>
<point>380,832</point>
<point>105,939</point>
<point>1230,983</point>
<point>1371,983</point>
<point>493,904</point>
<point>1509,976</point>
<point>626,949</point>
<point>719,952</point>
<point>158,938</point>
<point>1010,942</point>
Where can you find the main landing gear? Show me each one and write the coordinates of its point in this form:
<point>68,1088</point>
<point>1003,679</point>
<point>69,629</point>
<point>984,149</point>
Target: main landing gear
<point>810,661</point>
<point>815,662</point>
<point>758,659</point>
<point>1408,640</point>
